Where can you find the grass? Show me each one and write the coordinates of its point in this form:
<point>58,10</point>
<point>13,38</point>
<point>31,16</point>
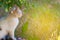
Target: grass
<point>43,23</point>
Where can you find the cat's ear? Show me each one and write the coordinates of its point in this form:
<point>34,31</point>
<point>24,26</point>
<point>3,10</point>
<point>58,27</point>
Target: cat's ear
<point>14,9</point>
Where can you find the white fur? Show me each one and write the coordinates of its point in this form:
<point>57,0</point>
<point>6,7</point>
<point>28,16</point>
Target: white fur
<point>8,26</point>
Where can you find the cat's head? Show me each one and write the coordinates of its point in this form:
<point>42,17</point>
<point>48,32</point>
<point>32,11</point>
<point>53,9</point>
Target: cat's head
<point>16,11</point>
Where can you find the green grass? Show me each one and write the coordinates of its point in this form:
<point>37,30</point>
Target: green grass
<point>43,23</point>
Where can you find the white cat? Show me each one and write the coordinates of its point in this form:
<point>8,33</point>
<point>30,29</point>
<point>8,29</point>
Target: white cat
<point>8,24</point>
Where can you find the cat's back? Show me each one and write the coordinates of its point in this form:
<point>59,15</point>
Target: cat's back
<point>3,14</point>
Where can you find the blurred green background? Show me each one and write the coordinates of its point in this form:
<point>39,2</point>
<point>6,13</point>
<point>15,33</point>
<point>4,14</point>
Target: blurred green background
<point>40,20</point>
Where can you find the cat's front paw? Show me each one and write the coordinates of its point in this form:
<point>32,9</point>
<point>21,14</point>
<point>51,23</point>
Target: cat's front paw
<point>19,38</point>
<point>14,38</point>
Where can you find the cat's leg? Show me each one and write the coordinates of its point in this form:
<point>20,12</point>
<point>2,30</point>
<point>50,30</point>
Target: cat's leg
<point>11,34</point>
